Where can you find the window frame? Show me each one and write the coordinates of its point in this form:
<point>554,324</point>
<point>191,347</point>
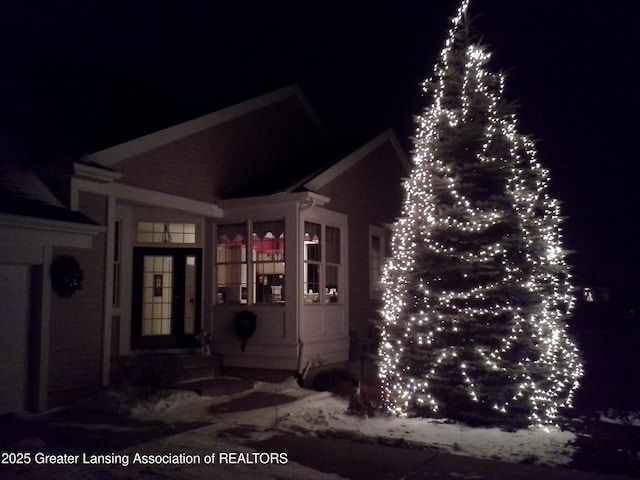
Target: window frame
<point>249,264</point>
<point>323,296</point>
<point>378,257</point>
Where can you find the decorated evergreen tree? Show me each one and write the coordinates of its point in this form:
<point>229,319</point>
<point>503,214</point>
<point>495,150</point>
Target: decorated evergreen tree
<point>477,291</point>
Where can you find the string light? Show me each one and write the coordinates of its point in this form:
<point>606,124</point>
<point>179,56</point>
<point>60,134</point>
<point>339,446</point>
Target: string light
<point>477,288</point>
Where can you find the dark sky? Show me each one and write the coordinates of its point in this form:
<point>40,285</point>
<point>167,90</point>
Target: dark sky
<point>86,74</point>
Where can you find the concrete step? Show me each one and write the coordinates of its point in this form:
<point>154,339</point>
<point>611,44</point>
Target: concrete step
<point>193,367</point>
<point>217,386</point>
<point>156,369</point>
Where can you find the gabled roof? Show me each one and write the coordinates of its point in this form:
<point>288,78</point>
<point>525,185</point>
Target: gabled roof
<point>324,176</point>
<point>319,166</point>
<point>115,154</point>
<point>290,177</point>
<point>22,193</point>
<point>250,149</point>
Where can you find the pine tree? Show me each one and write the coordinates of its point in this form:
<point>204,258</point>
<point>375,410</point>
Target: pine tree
<point>477,292</point>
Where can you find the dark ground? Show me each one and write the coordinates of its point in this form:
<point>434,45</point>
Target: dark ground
<point>610,386</point>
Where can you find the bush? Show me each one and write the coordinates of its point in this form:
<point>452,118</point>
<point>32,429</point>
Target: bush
<point>364,398</point>
<point>337,381</point>
<point>366,401</point>
<point>148,373</point>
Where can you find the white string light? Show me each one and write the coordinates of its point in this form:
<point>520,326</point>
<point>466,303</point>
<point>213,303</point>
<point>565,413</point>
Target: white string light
<point>457,299</point>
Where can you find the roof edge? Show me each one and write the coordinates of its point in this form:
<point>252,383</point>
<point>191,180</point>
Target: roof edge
<point>354,157</point>
<point>137,146</point>
<point>275,198</point>
<point>65,226</point>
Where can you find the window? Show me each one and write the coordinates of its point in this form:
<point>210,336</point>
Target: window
<point>312,262</point>
<point>379,251</point>
<point>332,265</point>
<point>321,263</point>
<point>157,298</point>
<point>265,282</point>
<point>267,242</point>
<point>115,290</point>
<point>231,263</point>
<point>157,232</point>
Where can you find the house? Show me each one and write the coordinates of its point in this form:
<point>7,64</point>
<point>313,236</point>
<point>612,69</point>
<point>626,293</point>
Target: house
<point>34,228</point>
<point>253,208</point>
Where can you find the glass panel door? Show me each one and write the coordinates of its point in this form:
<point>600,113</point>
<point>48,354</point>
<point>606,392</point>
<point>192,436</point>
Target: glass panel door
<point>190,290</point>
<point>166,302</point>
<point>157,295</point>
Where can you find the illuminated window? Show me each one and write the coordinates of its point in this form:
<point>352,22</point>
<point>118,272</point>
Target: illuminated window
<point>322,263</point>
<point>267,243</point>
<point>157,232</point>
<point>231,264</point>
<point>264,282</point>
<point>157,298</point>
<point>588,294</point>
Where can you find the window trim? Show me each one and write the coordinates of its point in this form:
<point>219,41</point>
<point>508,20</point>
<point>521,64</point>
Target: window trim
<point>324,298</point>
<point>384,235</point>
<point>250,265</point>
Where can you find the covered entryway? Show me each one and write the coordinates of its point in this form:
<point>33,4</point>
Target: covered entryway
<point>166,303</point>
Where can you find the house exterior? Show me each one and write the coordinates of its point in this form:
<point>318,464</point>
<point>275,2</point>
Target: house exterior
<point>251,208</point>
<point>34,229</point>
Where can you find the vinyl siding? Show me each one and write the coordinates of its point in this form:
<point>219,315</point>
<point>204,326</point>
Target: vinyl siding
<point>215,162</point>
<point>370,193</point>
<point>76,322</point>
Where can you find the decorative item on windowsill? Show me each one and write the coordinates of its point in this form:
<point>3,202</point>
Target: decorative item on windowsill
<point>244,324</point>
<point>204,338</point>
<point>66,275</point>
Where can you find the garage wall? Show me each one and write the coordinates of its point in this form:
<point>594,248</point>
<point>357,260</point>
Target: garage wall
<point>14,321</point>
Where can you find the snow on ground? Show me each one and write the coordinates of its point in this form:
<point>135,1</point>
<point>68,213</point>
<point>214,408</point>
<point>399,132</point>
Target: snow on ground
<point>620,418</point>
<point>322,412</point>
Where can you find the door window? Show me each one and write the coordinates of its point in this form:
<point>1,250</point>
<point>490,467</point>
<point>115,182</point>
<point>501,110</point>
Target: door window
<point>157,295</point>
<point>167,284</point>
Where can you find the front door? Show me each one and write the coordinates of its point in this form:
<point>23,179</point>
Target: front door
<point>167,284</point>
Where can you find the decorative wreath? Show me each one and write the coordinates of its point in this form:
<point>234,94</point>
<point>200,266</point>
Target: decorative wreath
<point>66,276</point>
<point>244,324</point>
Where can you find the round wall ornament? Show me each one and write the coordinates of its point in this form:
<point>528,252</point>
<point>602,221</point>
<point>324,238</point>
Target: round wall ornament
<point>244,324</point>
<point>66,275</point>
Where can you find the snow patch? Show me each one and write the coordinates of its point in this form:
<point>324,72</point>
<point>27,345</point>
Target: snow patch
<point>323,413</point>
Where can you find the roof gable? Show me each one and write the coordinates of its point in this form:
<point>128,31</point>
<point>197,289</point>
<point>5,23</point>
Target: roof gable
<point>322,178</point>
<point>141,145</point>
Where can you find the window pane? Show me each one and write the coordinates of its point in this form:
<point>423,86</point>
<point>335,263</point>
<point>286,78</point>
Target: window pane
<point>149,232</point>
<point>267,242</point>
<point>312,283</point>
<point>333,245</point>
<point>375,259</point>
<point>156,295</point>
<point>312,241</point>
<point>231,260</point>
<point>332,283</point>
<point>190,291</point>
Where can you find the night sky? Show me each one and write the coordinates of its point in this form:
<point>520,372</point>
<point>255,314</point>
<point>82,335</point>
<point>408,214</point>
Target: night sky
<point>79,76</point>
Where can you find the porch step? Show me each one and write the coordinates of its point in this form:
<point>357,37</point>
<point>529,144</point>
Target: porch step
<point>218,386</point>
<point>165,369</point>
<point>194,367</point>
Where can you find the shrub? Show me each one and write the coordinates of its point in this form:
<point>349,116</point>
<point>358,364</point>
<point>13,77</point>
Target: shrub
<point>337,381</point>
<point>366,400</point>
<point>148,373</point>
